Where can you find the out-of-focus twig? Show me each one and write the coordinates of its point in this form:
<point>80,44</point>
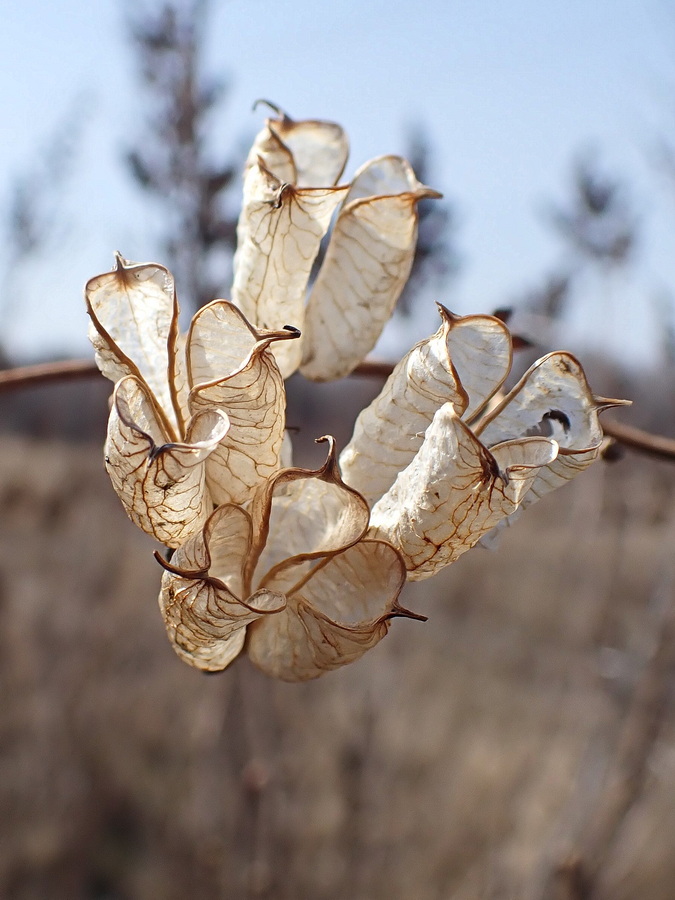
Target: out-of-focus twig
<point>62,370</point>
<point>70,369</point>
<point>640,440</point>
<point>374,368</point>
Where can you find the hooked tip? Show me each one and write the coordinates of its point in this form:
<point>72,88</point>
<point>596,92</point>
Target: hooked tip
<point>175,570</point>
<point>273,106</point>
<point>330,467</point>
<point>326,438</point>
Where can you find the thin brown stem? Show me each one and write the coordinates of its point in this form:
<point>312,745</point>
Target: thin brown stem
<point>374,368</point>
<point>642,441</point>
<point>63,370</point>
<point>71,369</point>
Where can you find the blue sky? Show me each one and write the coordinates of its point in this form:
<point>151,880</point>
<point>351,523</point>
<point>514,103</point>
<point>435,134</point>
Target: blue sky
<point>510,93</point>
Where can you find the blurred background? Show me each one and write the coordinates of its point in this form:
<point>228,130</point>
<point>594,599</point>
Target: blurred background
<point>521,744</point>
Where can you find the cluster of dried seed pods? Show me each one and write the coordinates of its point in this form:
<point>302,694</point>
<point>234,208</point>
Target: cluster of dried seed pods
<point>303,568</point>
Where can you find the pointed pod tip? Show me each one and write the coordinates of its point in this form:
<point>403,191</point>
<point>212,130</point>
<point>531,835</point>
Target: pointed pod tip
<point>426,193</point>
<point>402,613</point>
<point>450,317</point>
<point>603,403</point>
<point>122,268</point>
<point>287,333</point>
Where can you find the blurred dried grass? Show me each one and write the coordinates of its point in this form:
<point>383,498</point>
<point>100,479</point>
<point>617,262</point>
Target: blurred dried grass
<point>463,758</point>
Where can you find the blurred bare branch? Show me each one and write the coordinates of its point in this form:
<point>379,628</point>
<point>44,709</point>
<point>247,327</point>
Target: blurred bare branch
<point>24,376</point>
<point>599,222</point>
<point>642,441</point>
<point>63,370</point>
<point>664,307</point>
<point>173,160</point>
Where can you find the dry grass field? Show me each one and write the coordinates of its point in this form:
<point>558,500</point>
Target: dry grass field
<point>526,725</point>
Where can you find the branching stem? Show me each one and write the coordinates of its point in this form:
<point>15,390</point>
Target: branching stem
<point>70,369</point>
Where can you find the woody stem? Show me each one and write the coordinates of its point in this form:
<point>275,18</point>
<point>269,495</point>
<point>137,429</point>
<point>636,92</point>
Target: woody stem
<point>637,439</point>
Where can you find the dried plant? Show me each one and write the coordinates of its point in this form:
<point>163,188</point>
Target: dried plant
<point>303,568</point>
